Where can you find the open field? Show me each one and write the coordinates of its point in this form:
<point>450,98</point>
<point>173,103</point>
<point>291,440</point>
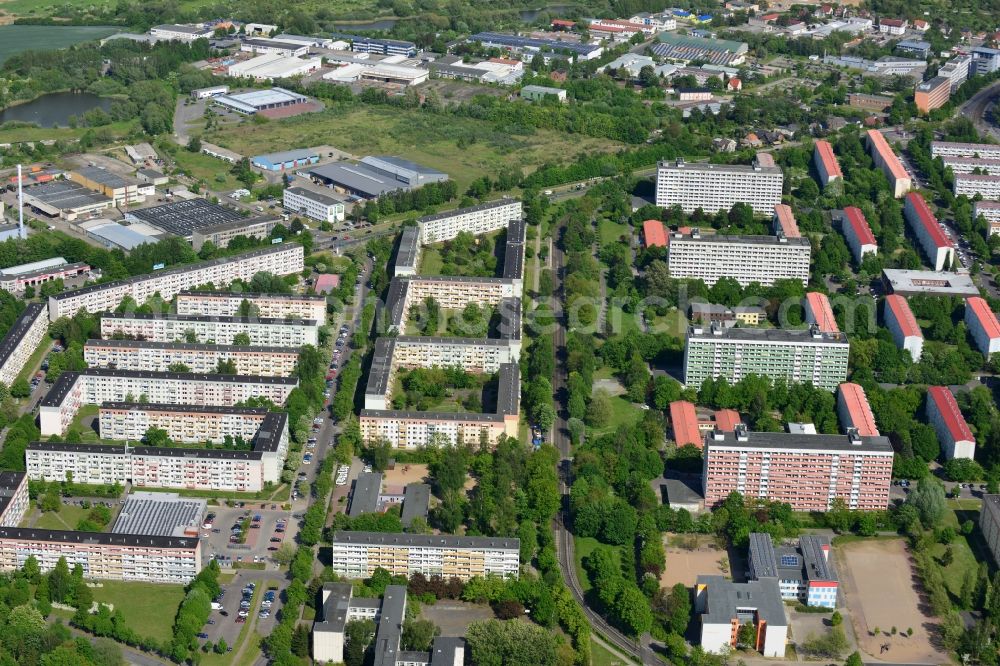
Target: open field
<point>601,656</point>
<point>610,232</point>
<point>623,412</point>
<point>65,519</point>
<point>464,148</point>
<point>17,38</point>
<point>207,168</point>
<point>582,547</point>
<point>881,589</point>
<point>686,563</point>
<point>454,617</point>
<point>149,608</point>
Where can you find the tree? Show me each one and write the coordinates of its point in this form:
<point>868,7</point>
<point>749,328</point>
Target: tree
<point>746,636</point>
<point>358,635</point>
<point>599,409</point>
<point>632,607</point>
<point>241,339</point>
<point>285,554</point>
<point>854,660</point>
<point>419,634</point>
<point>929,500</point>
<point>226,366</point>
<point>20,388</point>
<point>194,144</point>
<point>836,619</point>
<point>502,643</point>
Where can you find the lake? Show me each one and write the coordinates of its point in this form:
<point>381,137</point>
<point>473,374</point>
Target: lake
<point>17,38</point>
<point>54,109</point>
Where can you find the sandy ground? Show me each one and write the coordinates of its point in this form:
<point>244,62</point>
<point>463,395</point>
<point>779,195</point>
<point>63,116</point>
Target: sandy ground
<point>684,565</point>
<point>882,590</point>
<point>405,473</point>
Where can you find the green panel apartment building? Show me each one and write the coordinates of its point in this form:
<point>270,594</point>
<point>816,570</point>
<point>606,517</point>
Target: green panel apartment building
<point>801,355</point>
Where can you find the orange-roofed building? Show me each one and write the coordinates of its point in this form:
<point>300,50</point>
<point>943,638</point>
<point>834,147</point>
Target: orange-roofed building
<point>854,410</point>
<point>784,221</point>
<point>726,420</point>
<point>827,165</point>
<point>983,325</point>
<point>819,312</point>
<point>654,234</point>
<point>886,160</point>
<point>734,85</point>
<point>563,23</point>
<point>684,424</point>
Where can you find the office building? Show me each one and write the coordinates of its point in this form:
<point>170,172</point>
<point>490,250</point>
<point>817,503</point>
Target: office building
<point>181,33</point>
<point>953,432</point>
<point>286,159</point>
<point>914,47</point>
<point>374,176</point>
<point>933,94</point>
<point>939,250</point>
<point>387,47</point>
<point>784,222</point>
<point>983,325</point>
<point>854,411</point>
<point>723,607</point>
<point>221,235</point>
<point>96,385</point>
<point>984,61</point>
<point>903,325</point>
<point>990,167</point>
<point>746,259</point>
<point>986,151</point>
<point>956,70</point>
<point>857,233</point>
<point>654,234</point>
<point>269,306</point>
<point>715,187</point>
<point>262,332</point>
<point>819,312</point>
<point>989,210</point>
<point>278,259</point>
<point>989,524</point>
<point>806,471</point>
<point>21,341</point>
<point>357,555</point>
<point>120,189</point>
<point>149,356</point>
<point>826,163</point>
<point>314,205</point>
<point>892,26</point>
<point>987,187</point>
<point>275,46</point>
<point>805,572</point>
<point>886,160</point>
<point>797,356</point>
<point>933,283</point>
<point>202,93</point>
<point>481,219</point>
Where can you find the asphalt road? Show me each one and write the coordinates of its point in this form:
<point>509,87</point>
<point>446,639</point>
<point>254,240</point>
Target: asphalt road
<point>975,109</point>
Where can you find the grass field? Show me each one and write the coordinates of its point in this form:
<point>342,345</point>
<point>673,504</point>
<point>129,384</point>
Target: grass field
<point>207,168</point>
<point>65,519</point>
<point>610,232</point>
<point>582,547</point>
<point>430,261</point>
<point>465,148</point>
<point>601,656</point>
<point>149,608</point>
<point>623,412</point>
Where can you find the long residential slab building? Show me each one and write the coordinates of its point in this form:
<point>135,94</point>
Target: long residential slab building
<point>358,554</point>
<point>903,326</point>
<point>746,259</point>
<point>150,356</point>
<point>854,410</point>
<point>797,356</point>
<point>102,555</point>
<point>95,386</point>
<point>826,163</point>
<point>269,306</point>
<point>279,259</point>
<point>715,187</point>
<point>858,233</point>
<point>21,341</point>
<point>986,151</point>
<point>807,471</point>
<point>939,250</point>
<point>211,329</point>
<point>481,219</point>
<point>970,184</point>
<point>886,160</point>
<point>223,469</point>
<point>983,325</point>
<point>954,434</point>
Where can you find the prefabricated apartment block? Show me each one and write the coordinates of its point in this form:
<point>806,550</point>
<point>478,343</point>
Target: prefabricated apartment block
<point>746,259</point>
<point>222,330</point>
<point>715,187</point>
<point>272,306</point>
<point>149,356</point>
<point>21,341</point>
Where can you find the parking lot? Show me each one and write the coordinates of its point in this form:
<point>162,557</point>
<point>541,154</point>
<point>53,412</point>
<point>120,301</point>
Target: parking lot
<point>226,622</point>
<point>218,540</point>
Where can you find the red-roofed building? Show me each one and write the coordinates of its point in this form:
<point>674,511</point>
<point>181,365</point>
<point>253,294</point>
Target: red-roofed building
<point>726,420</point>
<point>784,222</point>
<point>517,65</point>
<point>854,410</point>
<point>563,24</point>
<point>684,424</point>
<point>886,160</point>
<point>983,325</point>
<point>939,250</point>
<point>734,85</point>
<point>819,312</point>
<point>858,234</point>
<point>326,283</point>
<point>902,324</point>
<point>827,165</point>
<point>893,26</point>
<point>952,430</point>
<point>627,26</point>
<point>654,234</point>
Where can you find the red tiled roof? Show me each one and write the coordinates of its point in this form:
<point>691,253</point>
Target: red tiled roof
<point>727,419</point>
<point>605,28</point>
<point>859,410</point>
<point>563,22</point>
<point>859,225</point>
<point>903,315</point>
<point>734,83</point>
<point>785,219</point>
<point>882,147</point>
<point>950,413</point>
<point>927,219</point>
<point>896,23</point>
<point>829,160</point>
<point>986,317</point>
<point>822,313</point>
<point>684,422</point>
<point>654,233</point>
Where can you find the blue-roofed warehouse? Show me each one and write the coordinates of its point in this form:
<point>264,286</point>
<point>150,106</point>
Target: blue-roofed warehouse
<point>288,159</point>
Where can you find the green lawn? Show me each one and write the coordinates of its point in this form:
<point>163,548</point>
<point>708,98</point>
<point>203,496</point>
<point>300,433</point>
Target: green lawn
<point>430,261</point>
<point>623,412</point>
<point>149,608</point>
<point>610,232</point>
<point>601,656</point>
<point>465,148</point>
<point>672,323</point>
<point>582,547</point>
<point>207,168</point>
<point>65,518</point>
<point>83,421</point>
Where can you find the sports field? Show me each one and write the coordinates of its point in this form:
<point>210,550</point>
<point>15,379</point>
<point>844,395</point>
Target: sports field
<point>689,556</point>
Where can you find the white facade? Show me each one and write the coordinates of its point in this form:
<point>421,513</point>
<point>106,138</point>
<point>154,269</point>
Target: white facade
<point>988,187</point>
<point>956,70</point>
<point>983,325</point>
<point>287,49</point>
<point>481,219</point>
<point>939,250</point>
<point>990,210</point>
<point>747,259</point>
<point>270,306</point>
<point>358,554</point>
<point>969,164</point>
<point>886,159</point>
<point>274,66</point>
<point>987,151</point>
<point>21,341</point>
<point>715,187</point>
<point>952,430</point>
<point>313,204</point>
<point>280,260</point>
<point>858,234</point>
<point>181,33</point>
<point>202,359</point>
<point>213,330</point>
<point>902,324</point>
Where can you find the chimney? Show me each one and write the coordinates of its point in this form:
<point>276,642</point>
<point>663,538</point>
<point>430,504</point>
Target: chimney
<point>696,233</point>
<point>853,437</point>
<point>741,433</point>
<point>815,332</point>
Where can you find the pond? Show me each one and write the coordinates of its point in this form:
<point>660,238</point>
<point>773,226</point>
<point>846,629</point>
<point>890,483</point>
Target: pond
<point>54,109</point>
<point>17,38</point>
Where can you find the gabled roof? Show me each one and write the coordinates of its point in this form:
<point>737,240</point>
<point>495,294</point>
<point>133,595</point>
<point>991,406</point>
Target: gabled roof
<point>859,409</point>
<point>654,233</point>
<point>882,147</point>
<point>927,220</point>
<point>829,160</point>
<point>684,422</point>
<point>946,405</point>
<point>984,315</point>
<point>903,315</point>
<point>822,313</point>
<point>859,225</point>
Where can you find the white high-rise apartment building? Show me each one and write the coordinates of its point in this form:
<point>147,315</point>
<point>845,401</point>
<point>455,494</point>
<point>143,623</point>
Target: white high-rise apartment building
<point>986,151</point>
<point>747,259</point>
<point>291,333</point>
<point>481,219</point>
<point>715,187</point>
<point>21,341</point>
<point>272,306</point>
<point>150,356</point>
<point>988,187</point>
